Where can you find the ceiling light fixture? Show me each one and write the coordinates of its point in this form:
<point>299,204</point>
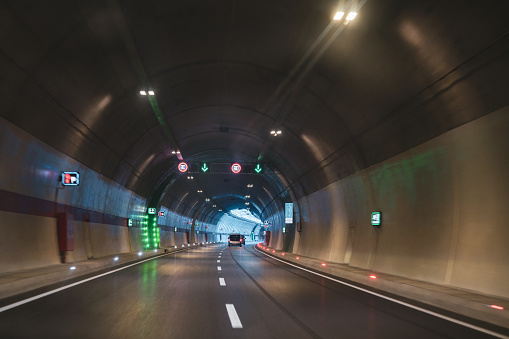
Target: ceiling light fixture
<point>275,133</point>
<point>143,93</point>
<point>338,16</point>
<point>351,16</point>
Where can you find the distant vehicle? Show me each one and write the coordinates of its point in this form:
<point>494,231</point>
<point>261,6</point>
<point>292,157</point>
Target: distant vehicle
<point>243,239</point>
<point>235,240</point>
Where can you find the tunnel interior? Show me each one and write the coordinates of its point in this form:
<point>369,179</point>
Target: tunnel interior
<point>401,110</point>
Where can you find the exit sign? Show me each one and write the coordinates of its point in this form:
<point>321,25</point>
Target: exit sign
<point>376,219</point>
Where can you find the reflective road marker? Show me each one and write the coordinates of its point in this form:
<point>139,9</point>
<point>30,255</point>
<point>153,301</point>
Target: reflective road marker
<point>234,318</point>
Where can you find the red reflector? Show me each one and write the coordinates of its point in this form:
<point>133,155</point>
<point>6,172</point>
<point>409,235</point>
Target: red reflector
<point>273,251</point>
<point>282,254</point>
<point>297,258</point>
<point>497,307</point>
<point>372,276</point>
<point>323,264</point>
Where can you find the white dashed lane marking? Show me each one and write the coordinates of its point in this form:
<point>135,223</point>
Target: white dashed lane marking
<point>222,282</point>
<point>219,268</point>
<point>234,318</point>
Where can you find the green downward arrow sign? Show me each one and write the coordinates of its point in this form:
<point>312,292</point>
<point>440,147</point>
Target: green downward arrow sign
<point>258,168</point>
<point>204,168</point>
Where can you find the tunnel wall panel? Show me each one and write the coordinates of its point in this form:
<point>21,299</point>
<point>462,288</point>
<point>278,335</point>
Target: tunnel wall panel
<point>27,241</point>
<point>442,207</point>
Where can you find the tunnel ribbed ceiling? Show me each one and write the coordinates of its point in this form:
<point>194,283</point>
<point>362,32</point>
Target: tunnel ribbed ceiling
<point>227,72</point>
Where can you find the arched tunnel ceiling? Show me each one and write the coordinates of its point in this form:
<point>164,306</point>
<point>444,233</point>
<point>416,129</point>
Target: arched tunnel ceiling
<point>225,73</point>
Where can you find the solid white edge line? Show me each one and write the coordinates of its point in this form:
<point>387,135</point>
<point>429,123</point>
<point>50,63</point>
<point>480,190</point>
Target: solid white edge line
<point>234,318</point>
<point>39,296</point>
<point>222,282</point>
<point>459,322</point>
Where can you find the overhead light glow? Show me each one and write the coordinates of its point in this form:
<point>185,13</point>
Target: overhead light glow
<point>143,93</point>
<point>351,16</point>
<point>116,258</point>
<point>339,16</point>
<point>72,268</point>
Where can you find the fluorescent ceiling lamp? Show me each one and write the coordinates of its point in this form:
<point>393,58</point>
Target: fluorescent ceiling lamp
<point>143,93</point>
<point>351,16</point>
<point>151,93</point>
<point>339,16</point>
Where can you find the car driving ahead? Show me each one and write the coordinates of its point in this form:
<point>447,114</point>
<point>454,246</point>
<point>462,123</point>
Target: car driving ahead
<point>235,240</point>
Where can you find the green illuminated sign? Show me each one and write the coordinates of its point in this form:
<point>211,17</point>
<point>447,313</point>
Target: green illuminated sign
<point>258,169</point>
<point>376,218</point>
<point>129,222</point>
<point>151,210</point>
<point>284,229</point>
<point>204,167</point>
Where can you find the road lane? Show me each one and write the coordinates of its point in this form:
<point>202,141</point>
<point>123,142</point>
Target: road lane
<point>184,295</point>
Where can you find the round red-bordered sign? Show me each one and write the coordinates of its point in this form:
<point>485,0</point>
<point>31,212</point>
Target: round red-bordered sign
<point>236,168</point>
<point>183,167</point>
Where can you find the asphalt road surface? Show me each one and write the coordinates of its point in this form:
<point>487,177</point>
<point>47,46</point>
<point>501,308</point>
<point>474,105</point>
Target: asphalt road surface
<point>219,292</point>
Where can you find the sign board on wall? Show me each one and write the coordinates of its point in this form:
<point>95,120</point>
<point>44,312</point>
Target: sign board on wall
<point>70,178</point>
<point>288,213</point>
<point>376,218</point>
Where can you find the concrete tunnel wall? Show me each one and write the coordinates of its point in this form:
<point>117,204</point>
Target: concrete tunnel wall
<point>31,196</point>
<point>443,208</point>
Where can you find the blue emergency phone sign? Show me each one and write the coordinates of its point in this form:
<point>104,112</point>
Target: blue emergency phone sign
<point>70,178</point>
